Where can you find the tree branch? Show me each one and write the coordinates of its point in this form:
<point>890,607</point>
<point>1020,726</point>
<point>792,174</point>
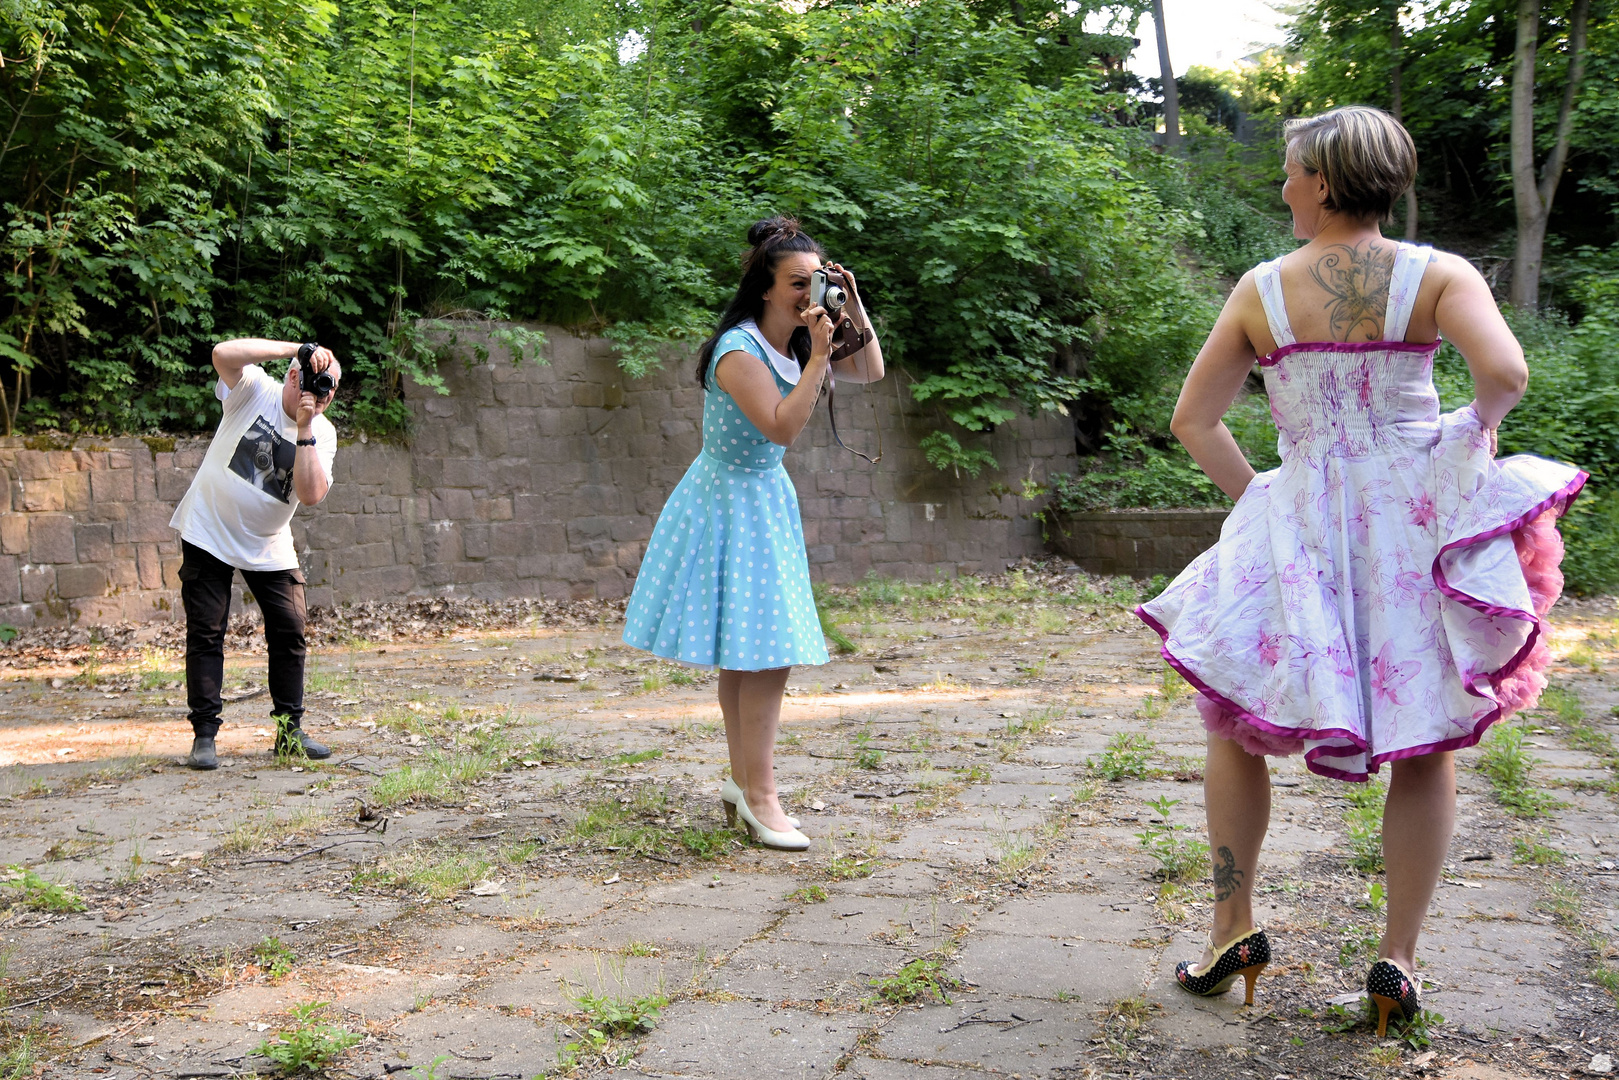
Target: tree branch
<point>1553,171</point>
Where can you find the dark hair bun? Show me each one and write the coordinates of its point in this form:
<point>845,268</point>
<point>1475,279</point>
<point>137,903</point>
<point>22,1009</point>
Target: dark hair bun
<point>773,228</point>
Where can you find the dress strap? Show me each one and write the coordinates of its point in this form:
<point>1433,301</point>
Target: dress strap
<point>1409,264</point>
<point>1268,276</point>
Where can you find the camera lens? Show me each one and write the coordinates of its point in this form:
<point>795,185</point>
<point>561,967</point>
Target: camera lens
<point>262,460</point>
<point>323,384</point>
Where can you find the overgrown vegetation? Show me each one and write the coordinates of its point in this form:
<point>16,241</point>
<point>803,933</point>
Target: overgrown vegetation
<point>34,893</point>
<point>310,1044</point>
<point>1508,766</point>
<point>1180,855</point>
<point>921,979</point>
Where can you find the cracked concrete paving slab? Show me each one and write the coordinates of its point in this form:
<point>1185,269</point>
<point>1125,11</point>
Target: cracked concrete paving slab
<point>777,971</point>
<point>1006,1035</point>
<point>745,1040</point>
<point>1045,968</point>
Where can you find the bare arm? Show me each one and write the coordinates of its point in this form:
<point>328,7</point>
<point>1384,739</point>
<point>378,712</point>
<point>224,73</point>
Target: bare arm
<point>1211,386</point>
<point>230,357</point>
<point>1469,318</point>
<point>747,379</point>
<point>309,481</point>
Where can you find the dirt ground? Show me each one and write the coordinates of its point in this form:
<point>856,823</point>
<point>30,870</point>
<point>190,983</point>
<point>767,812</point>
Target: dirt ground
<point>516,864</point>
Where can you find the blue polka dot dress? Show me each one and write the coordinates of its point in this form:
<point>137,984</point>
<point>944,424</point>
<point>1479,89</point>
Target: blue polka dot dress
<point>725,581</point>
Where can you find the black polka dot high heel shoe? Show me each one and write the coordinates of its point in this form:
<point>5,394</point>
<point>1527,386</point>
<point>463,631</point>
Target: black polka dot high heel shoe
<point>1245,956</point>
<point>1392,987</point>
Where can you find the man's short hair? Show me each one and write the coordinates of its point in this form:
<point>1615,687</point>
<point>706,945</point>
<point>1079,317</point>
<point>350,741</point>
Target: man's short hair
<point>1366,156</point>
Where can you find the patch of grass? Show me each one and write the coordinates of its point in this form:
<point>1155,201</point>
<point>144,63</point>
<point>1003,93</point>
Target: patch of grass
<point>921,979</point>
<point>617,1017</point>
<point>253,834</point>
<point>1125,757</point>
<point>1363,822</point>
<point>809,894</point>
<point>90,670</point>
<point>157,671</point>
<point>1014,853</point>
<point>310,1044</point>
<point>973,774</point>
<point>25,1058</point>
<point>429,870</point>
<point>849,868</point>
<point>865,755</point>
<point>1529,853</point>
<point>1509,766</point>
<point>830,629</point>
<point>1123,1021</point>
<point>632,757</point>
<point>319,681</point>
<point>442,775</point>
<point>274,957</point>
<point>36,894</point>
<point>1180,856</point>
<point>706,843</point>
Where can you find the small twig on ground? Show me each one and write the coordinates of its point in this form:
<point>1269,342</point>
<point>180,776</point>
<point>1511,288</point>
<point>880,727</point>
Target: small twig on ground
<point>314,851</point>
<point>36,1001</point>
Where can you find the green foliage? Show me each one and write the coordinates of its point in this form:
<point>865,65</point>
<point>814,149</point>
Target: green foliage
<point>921,979</point>
<point>274,957</point>
<point>617,1017</point>
<point>809,894</point>
<point>1364,824</point>
<point>1508,766</point>
<point>943,451</point>
<point>1180,857</point>
<point>36,894</point>
<point>1126,757</point>
<point>310,1044</point>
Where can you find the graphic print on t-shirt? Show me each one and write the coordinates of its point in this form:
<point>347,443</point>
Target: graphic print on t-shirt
<point>264,459</point>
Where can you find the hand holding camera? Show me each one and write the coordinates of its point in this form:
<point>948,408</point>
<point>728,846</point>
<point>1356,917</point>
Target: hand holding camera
<point>317,381</point>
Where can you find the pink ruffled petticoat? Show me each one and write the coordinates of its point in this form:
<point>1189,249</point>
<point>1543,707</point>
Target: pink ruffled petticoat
<point>1540,552</point>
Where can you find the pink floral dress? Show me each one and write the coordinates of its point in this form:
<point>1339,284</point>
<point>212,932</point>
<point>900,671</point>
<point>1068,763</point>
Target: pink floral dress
<point>1380,595</point>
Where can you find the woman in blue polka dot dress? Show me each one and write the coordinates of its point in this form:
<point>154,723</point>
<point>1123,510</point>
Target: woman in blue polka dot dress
<point>725,581</point>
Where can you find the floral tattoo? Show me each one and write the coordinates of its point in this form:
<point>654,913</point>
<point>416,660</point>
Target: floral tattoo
<point>1227,878</point>
<point>1358,283</point>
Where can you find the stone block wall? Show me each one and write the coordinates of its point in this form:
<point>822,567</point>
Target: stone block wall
<point>530,480</point>
<point>1139,543</point>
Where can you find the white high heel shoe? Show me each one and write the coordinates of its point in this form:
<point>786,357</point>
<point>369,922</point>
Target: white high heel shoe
<point>731,794</point>
<point>791,840</point>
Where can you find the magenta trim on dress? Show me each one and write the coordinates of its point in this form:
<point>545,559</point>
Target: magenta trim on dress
<point>1561,500</point>
<point>1347,346</point>
<point>1312,734</point>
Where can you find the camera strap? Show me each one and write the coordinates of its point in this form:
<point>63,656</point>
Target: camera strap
<point>831,400</point>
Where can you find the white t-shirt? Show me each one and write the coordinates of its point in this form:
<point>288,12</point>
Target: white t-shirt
<point>240,504</point>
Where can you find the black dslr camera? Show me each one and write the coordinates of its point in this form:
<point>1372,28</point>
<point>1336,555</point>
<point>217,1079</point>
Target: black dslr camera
<point>310,381</point>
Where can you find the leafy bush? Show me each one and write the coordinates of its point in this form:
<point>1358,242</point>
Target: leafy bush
<point>309,1044</point>
<point>37,894</point>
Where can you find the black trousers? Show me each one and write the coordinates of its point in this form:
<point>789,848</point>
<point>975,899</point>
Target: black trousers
<point>205,590</point>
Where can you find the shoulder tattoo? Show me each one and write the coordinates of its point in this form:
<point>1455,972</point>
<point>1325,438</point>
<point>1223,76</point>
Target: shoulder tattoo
<point>1356,281</point>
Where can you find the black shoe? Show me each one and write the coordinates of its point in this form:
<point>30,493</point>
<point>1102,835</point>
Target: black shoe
<point>202,754</point>
<point>1245,956</point>
<point>1391,987</point>
<point>292,742</point>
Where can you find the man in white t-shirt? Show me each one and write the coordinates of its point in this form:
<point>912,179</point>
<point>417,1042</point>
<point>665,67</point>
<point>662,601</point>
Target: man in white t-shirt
<point>272,452</point>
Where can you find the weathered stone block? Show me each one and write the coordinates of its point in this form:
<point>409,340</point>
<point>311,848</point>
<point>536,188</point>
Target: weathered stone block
<point>38,582</point>
<point>149,566</point>
<point>10,580</point>
<point>42,496</point>
<point>94,543</point>
<point>452,504</point>
<point>171,572</point>
<point>475,541</point>
<point>50,539</point>
<point>13,533</point>
<point>113,485</point>
<point>122,574</point>
<point>149,523</point>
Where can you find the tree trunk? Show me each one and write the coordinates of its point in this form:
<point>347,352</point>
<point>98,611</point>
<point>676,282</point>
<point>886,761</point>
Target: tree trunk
<point>1532,197</point>
<point>1166,75</point>
<point>1397,108</point>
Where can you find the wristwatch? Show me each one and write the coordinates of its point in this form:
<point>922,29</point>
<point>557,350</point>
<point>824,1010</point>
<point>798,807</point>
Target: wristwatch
<point>307,442</point>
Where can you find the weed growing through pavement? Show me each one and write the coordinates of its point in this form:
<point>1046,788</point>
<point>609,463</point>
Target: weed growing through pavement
<point>1359,947</point>
<point>90,670</point>
<point>921,979</point>
<point>1363,822</point>
<point>274,957</point>
<point>1509,766</point>
<point>1124,758</point>
<point>865,755</point>
<point>1530,853</point>
<point>310,1044</point>
<point>36,894</point>
<point>157,671</point>
<point>607,1017</point>
<point>1563,902</point>
<point>1122,1022</point>
<point>1180,856</point>
<point>631,757</point>
<point>809,894</point>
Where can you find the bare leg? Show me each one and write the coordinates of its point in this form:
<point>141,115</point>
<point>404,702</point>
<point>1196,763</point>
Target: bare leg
<point>1236,797</point>
<point>757,705</point>
<point>730,689</point>
<point>1418,819</point>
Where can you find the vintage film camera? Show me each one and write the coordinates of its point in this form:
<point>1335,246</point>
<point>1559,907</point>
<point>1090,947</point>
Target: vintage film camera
<point>321,383</point>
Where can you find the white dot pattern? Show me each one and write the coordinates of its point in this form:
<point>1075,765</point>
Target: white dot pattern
<point>725,581</point>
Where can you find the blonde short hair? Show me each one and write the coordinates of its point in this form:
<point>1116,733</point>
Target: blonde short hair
<point>1366,156</point>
